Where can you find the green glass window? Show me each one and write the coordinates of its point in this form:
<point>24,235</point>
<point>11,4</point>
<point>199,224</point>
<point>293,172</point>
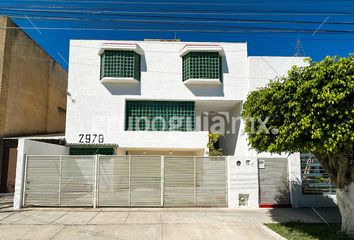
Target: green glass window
<point>120,64</point>
<point>160,116</point>
<point>91,151</point>
<point>202,65</point>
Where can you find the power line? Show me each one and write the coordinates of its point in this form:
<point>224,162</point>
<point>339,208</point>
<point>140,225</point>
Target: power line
<point>168,3</point>
<point>182,20</point>
<point>202,12</point>
<point>299,50</point>
<point>157,3</point>
<point>129,29</point>
<point>227,28</point>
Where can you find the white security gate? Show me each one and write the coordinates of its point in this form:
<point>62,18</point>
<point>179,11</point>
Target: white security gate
<point>273,182</point>
<point>145,180</point>
<point>114,181</point>
<point>129,181</point>
<point>41,185</point>
<point>195,181</point>
<point>125,181</point>
<point>59,181</point>
<point>77,180</point>
<point>179,181</point>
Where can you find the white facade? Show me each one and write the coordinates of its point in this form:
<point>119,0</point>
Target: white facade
<point>99,108</point>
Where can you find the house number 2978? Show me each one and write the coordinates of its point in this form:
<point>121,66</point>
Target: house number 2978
<point>91,138</point>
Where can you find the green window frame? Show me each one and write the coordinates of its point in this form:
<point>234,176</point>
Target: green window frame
<point>160,116</point>
<point>120,64</point>
<point>202,65</point>
<point>91,151</point>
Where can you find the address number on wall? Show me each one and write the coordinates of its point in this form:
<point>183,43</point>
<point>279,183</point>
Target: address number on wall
<point>91,138</point>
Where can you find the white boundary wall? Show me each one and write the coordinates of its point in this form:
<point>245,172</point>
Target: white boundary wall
<point>30,147</point>
<point>242,179</point>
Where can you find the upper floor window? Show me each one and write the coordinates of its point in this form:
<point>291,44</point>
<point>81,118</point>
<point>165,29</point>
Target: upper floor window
<point>120,64</point>
<point>202,65</point>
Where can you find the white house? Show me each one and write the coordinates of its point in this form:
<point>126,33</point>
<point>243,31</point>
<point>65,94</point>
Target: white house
<point>114,84</point>
<point>153,105</point>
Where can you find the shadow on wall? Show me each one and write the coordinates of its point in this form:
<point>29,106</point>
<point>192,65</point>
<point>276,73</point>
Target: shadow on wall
<point>203,90</point>
<point>127,88</point>
<point>143,65</point>
<point>304,214</point>
<point>123,88</point>
<point>303,200</point>
<point>283,192</point>
<point>232,132</point>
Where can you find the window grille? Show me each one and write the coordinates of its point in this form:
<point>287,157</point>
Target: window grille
<point>91,151</point>
<point>120,64</point>
<point>202,65</point>
<point>315,180</point>
<point>160,116</point>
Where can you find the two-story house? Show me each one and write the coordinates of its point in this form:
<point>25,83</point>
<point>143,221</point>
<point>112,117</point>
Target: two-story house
<point>162,97</point>
<point>155,103</point>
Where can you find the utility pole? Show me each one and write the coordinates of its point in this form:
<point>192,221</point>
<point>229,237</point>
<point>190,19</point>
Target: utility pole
<point>299,50</point>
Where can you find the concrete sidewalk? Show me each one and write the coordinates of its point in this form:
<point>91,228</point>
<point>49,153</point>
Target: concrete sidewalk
<point>150,223</point>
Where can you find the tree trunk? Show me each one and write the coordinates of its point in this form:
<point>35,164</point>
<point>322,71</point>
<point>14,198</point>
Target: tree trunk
<point>345,202</point>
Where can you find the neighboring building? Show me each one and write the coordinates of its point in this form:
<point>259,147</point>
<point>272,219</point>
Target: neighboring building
<point>32,95</point>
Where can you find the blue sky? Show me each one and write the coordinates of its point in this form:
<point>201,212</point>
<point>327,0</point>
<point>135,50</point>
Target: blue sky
<point>271,28</point>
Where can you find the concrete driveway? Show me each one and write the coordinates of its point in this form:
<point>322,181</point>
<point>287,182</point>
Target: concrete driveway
<point>148,223</point>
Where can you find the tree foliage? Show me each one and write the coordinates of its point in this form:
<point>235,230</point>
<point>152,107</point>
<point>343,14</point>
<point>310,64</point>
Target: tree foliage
<point>214,150</point>
<point>311,110</point>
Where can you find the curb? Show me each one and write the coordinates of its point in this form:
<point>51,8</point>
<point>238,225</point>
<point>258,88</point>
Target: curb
<point>271,232</point>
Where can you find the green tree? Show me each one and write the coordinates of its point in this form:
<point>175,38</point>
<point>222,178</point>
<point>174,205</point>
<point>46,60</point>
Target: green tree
<point>214,150</point>
<point>311,110</point>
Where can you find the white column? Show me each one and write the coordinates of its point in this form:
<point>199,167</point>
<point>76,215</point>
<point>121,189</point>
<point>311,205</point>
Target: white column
<point>20,175</point>
<point>295,182</point>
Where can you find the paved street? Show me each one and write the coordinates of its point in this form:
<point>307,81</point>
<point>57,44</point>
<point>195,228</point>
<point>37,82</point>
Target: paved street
<point>150,223</point>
